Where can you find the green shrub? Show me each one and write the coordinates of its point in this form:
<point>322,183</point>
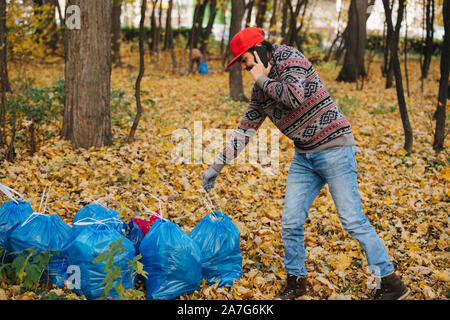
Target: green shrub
<point>113,272</point>
<point>26,268</point>
<point>131,33</point>
<point>382,109</point>
<point>414,45</point>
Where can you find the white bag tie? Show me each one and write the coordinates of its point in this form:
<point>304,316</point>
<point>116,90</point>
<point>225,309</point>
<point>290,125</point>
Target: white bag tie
<point>10,193</point>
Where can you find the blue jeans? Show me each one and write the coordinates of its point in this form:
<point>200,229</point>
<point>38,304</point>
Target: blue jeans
<point>307,175</point>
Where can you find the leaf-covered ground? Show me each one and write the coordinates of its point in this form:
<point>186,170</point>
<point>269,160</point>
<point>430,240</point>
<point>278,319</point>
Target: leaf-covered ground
<point>406,197</point>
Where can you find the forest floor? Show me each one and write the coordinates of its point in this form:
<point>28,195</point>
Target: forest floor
<point>405,196</point>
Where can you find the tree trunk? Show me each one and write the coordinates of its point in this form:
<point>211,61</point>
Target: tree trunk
<point>338,38</point>
<point>406,51</point>
<point>393,46</point>
<point>261,13</point>
<point>355,43</point>
<point>390,71</point>
<point>4,81</point>
<point>153,27</point>
<point>297,38</point>
<point>208,29</point>
<point>223,47</point>
<point>384,62</point>
<point>428,49</point>
<point>158,33</point>
<point>193,28</point>
<point>273,20</point>
<point>141,73</point>
<point>291,23</point>
<point>168,39</point>
<point>87,121</point>
<point>292,35</point>
<point>249,8</point>
<point>115,30</point>
<point>440,115</point>
<point>3,48</point>
<point>284,19</point>
<point>196,30</point>
<point>235,79</point>
<point>222,40</point>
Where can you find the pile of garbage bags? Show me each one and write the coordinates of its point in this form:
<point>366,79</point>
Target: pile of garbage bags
<point>175,262</point>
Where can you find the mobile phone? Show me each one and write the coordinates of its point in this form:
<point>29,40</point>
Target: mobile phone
<point>262,53</point>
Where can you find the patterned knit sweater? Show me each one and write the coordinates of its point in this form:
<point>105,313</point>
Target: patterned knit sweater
<point>296,101</point>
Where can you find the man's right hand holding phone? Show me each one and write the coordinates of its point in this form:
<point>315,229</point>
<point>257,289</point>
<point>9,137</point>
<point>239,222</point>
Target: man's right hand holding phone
<point>259,69</point>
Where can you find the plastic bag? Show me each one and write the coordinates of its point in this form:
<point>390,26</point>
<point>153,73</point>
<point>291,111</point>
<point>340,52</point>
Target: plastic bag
<point>138,228</point>
<point>145,225</point>
<point>172,260</point>
<point>134,234</point>
<point>203,68</point>
<point>86,246</point>
<point>44,232</point>
<point>97,212</point>
<point>219,241</point>
<point>12,213</point>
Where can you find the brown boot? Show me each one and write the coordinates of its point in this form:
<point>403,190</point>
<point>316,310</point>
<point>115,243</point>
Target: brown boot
<point>295,287</point>
<point>392,288</point>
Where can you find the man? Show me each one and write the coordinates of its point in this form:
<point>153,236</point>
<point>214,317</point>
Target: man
<point>290,92</point>
<point>196,59</point>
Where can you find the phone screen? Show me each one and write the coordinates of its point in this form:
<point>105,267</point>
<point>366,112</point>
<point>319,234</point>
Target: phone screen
<point>262,53</point>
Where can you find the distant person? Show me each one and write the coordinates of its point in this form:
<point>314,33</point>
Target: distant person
<point>196,59</point>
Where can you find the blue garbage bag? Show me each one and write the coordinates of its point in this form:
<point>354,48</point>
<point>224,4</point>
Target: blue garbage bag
<point>219,241</point>
<point>134,234</point>
<point>12,213</point>
<point>203,68</point>
<point>95,212</point>
<point>83,250</point>
<point>44,232</point>
<point>172,260</point>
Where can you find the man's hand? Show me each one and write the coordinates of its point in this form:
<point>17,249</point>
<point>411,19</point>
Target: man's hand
<point>259,70</point>
<point>209,178</point>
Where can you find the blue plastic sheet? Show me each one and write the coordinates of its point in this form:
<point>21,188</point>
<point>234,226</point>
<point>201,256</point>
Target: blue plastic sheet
<point>86,246</point>
<point>95,212</point>
<point>219,241</point>
<point>44,232</point>
<point>12,214</point>
<point>172,260</point>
